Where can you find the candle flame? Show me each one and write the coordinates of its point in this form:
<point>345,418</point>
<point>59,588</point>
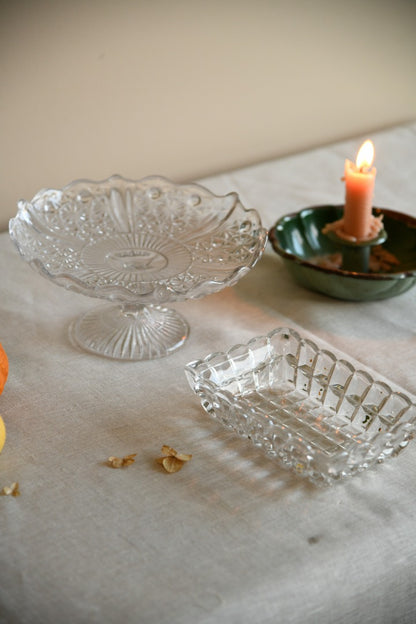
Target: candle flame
<point>365,156</point>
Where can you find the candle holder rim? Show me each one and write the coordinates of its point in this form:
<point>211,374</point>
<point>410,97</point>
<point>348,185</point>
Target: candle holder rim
<point>380,238</point>
<point>394,275</point>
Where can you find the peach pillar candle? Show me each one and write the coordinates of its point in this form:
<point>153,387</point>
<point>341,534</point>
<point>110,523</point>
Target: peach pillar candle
<point>359,188</point>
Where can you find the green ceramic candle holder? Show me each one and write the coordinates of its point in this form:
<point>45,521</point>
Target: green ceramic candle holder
<point>356,255</point>
<point>315,260</point>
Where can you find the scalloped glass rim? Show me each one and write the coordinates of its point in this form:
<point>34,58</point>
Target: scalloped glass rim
<point>313,411</point>
<point>29,233</point>
<point>138,243</point>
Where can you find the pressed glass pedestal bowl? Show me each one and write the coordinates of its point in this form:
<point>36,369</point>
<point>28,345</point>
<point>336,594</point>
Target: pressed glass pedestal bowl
<point>313,411</point>
<point>139,244</point>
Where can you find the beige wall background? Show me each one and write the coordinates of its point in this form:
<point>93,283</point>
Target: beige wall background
<point>188,88</point>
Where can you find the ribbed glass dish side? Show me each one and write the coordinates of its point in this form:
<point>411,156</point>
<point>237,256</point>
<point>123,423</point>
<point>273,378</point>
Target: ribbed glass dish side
<point>313,412</point>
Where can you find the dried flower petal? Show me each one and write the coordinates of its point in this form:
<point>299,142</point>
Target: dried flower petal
<point>172,464</point>
<point>173,461</point>
<point>12,490</point>
<point>183,457</point>
<point>115,462</point>
<point>121,462</point>
<point>168,450</point>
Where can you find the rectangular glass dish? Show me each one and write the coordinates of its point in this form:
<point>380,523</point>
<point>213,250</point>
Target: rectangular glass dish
<point>314,412</point>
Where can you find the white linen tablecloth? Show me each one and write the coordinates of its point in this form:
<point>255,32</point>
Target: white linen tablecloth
<point>232,537</point>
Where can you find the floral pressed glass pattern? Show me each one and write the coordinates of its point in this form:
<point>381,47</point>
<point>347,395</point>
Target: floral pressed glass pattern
<point>139,244</point>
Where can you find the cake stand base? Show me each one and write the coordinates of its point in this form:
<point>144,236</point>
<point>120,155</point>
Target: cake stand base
<point>130,332</point>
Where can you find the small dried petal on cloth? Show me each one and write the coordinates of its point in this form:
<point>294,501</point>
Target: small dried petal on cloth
<point>12,490</point>
<point>173,461</point>
<point>121,462</point>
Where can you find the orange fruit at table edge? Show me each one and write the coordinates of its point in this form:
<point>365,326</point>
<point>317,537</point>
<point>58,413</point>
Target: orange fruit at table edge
<point>4,368</point>
<point>2,434</point>
<point>4,371</point>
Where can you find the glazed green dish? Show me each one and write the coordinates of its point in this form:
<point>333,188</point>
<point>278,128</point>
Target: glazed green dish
<point>315,261</point>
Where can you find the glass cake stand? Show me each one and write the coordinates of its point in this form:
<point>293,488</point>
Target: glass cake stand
<point>139,244</point>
